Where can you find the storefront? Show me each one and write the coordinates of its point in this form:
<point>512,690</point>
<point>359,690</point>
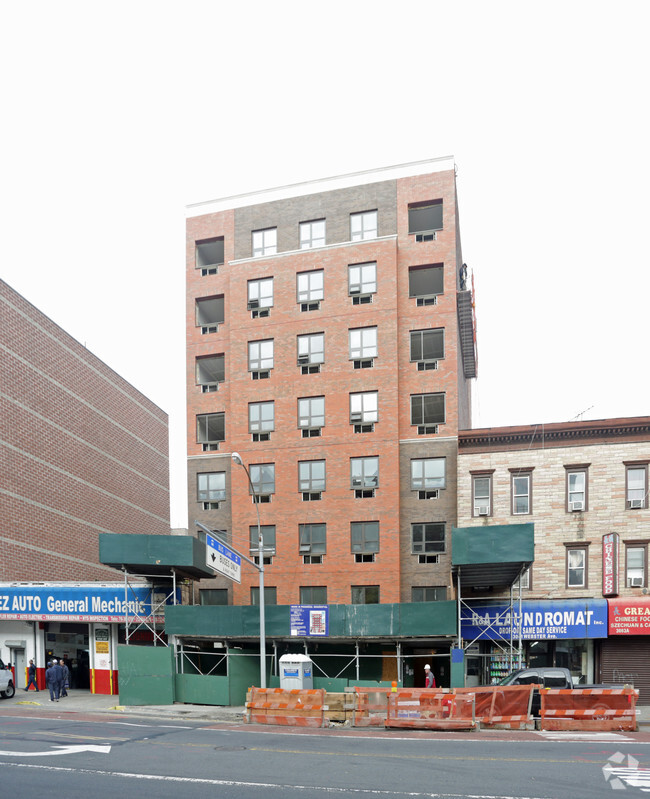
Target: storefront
<point>81,624</point>
<point>552,633</point>
<point>625,655</point>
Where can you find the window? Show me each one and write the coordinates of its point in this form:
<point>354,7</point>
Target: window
<point>310,289</point>
<point>261,420</point>
<point>363,226</point>
<point>267,531</point>
<point>312,234</point>
<point>576,566</point>
<point>311,352</point>
<point>364,538</point>
<point>364,476</point>
<point>313,595</point>
<point>576,488</point>
<point>362,279</point>
<point>208,255</point>
<point>364,410</point>
<point>426,282</point>
<point>311,415</point>
<point>521,486</point>
<point>260,296</point>
<point>270,595</point>
<point>525,579</point>
<point>428,476</point>
<point>427,538</point>
<point>211,489</point>
<point>425,217</point>
<point>636,485</point>
<point>365,595</point>
<point>312,542</point>
<point>427,412</point>
<point>265,242</point>
<point>260,358</point>
<point>210,430</point>
<point>209,314</point>
<point>428,593</point>
<point>363,344</point>
<point>427,347</point>
<point>311,479</point>
<point>213,596</point>
<point>636,559</point>
<point>482,495</point>
<point>263,480</point>
<point>210,371</point>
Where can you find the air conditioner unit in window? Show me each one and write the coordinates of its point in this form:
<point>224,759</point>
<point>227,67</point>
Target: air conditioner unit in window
<point>635,582</point>
<point>577,505</point>
<point>355,417</point>
<point>483,510</point>
<point>355,289</point>
<point>635,503</point>
<point>253,304</point>
<point>303,359</point>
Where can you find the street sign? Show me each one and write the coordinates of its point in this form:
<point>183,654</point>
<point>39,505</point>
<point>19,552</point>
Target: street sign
<point>222,559</point>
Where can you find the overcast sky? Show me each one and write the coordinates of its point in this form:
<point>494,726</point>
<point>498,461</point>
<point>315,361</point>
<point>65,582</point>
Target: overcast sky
<point>116,116</point>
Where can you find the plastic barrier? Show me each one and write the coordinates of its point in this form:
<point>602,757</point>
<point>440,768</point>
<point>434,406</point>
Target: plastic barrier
<point>503,706</point>
<point>370,706</point>
<point>588,709</point>
<point>431,708</point>
<point>298,708</point>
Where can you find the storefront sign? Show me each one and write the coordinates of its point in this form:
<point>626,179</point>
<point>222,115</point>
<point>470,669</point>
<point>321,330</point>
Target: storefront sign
<point>541,620</point>
<point>610,564</point>
<point>309,620</point>
<point>629,616</point>
<point>74,603</point>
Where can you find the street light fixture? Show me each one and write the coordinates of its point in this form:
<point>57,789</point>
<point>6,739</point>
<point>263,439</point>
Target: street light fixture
<point>236,458</point>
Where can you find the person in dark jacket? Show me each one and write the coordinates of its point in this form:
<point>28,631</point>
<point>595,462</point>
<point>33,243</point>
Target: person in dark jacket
<point>31,674</point>
<point>65,682</point>
<point>51,681</point>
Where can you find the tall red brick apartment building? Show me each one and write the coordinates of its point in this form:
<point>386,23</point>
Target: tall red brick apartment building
<point>330,342</point>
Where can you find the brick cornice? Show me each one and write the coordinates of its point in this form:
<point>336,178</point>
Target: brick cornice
<point>558,434</point>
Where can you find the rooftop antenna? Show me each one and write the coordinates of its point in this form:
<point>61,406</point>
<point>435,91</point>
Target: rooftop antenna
<point>581,414</point>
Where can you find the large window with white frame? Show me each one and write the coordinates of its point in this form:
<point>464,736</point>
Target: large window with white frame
<point>265,242</point>
<point>521,484</point>
<point>260,296</point>
<point>363,226</point>
<point>363,346</point>
<point>312,234</point>
<point>311,416</point>
<point>576,488</point>
<point>577,563</point>
<point>636,564</point>
<point>310,289</point>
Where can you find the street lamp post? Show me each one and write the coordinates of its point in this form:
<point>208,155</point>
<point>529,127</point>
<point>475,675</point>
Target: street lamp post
<point>236,458</point>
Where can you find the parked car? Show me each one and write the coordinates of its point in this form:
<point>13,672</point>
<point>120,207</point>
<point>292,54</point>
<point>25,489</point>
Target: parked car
<point>547,677</point>
<point>6,681</point>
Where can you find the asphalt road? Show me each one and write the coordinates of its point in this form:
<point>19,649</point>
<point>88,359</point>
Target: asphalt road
<point>95,758</point>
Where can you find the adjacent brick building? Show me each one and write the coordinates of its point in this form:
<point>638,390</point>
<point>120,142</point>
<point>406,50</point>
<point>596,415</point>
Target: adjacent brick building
<point>330,342</point>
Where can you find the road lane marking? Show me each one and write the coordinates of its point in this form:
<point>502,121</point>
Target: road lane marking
<point>60,750</point>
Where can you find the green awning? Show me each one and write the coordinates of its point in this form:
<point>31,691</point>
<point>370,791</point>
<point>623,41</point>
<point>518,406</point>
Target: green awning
<point>491,555</point>
<point>156,555</point>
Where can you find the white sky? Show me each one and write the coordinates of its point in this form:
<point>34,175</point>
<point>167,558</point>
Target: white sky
<point>115,116</point>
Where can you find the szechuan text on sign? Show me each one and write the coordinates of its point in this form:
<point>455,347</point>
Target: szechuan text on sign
<point>309,620</point>
<point>629,616</point>
<point>610,564</point>
<point>222,559</point>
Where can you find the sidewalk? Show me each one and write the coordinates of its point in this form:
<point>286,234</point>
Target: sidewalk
<point>85,702</point>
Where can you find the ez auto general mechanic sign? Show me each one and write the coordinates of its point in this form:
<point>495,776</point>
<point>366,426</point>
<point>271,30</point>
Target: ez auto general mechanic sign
<point>73,603</point>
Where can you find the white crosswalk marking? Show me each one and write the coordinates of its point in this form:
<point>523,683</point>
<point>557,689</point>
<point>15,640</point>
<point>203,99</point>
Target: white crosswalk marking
<point>634,777</point>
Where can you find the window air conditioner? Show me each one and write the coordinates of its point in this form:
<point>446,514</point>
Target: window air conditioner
<point>253,304</point>
<point>355,289</point>
<point>635,582</point>
<point>577,505</point>
<point>635,503</point>
<point>355,417</point>
<point>483,510</point>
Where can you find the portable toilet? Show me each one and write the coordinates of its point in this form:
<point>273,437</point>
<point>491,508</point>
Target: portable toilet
<point>296,671</point>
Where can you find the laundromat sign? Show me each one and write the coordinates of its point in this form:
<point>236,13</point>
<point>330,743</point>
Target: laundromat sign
<point>544,620</point>
<point>73,603</point>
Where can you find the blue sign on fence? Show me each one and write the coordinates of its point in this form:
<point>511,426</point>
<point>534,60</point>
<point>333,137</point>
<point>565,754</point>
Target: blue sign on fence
<point>309,620</point>
<point>545,619</point>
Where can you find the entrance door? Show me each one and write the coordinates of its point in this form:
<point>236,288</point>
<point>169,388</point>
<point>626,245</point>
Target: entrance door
<point>18,660</point>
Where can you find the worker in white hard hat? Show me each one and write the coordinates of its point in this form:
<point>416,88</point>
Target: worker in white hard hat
<point>429,679</point>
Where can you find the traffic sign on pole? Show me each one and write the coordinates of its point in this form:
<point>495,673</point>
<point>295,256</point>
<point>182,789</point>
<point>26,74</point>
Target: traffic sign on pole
<point>222,559</point>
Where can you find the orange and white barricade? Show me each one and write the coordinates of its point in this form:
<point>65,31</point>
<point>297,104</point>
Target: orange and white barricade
<point>503,706</point>
<point>298,707</point>
<point>589,709</point>
<point>431,708</point>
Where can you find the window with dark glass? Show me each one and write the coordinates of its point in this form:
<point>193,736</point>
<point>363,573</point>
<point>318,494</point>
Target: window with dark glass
<point>425,217</point>
<point>312,539</point>
<point>428,345</point>
<point>426,281</point>
<point>364,537</point>
<point>428,593</point>
<point>209,253</point>
<point>427,410</point>
<point>313,595</point>
<point>210,371</point>
<point>270,595</point>
<point>364,472</point>
<point>210,428</point>
<point>427,538</point>
<point>267,531</point>
<point>365,595</point>
<point>209,313</point>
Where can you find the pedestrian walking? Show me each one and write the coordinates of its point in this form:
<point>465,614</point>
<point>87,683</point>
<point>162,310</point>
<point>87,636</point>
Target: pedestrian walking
<point>65,684</point>
<point>31,676</point>
<point>51,681</point>
<point>429,679</point>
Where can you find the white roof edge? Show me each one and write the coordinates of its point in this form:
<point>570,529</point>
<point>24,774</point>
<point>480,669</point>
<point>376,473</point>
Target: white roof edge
<point>322,184</point>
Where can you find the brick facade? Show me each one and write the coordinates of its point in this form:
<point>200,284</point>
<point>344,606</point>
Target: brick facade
<point>82,452</point>
<point>394,440</point>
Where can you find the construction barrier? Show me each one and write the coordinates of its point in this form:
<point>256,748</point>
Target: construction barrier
<point>503,706</point>
<point>431,708</point>
<point>370,706</point>
<point>589,709</point>
<point>298,707</point>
